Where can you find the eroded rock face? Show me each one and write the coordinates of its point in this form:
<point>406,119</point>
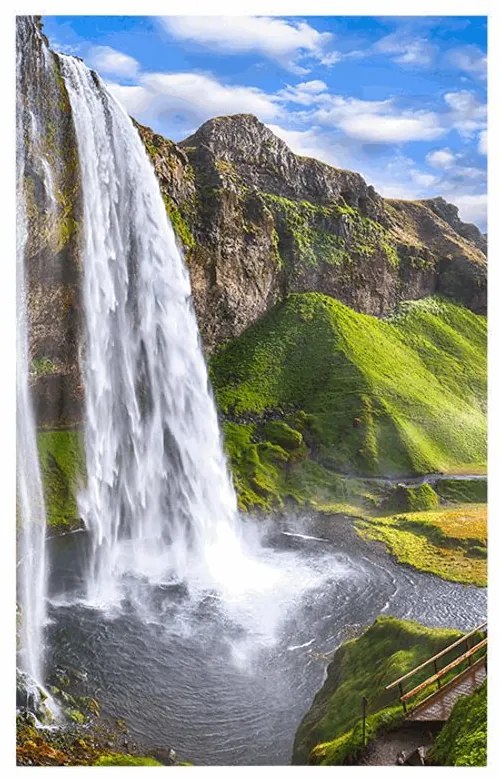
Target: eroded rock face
<point>53,217</point>
<point>258,222</point>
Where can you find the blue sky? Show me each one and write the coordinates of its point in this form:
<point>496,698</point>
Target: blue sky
<point>402,100</point>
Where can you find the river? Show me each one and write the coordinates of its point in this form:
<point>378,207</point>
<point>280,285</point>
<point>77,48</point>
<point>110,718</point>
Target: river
<point>227,681</point>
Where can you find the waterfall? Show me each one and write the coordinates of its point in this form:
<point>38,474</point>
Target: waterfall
<point>159,500</point>
<point>30,499</point>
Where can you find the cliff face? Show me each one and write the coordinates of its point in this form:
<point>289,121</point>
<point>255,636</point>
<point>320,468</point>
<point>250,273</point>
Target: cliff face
<point>53,215</point>
<point>258,222</point>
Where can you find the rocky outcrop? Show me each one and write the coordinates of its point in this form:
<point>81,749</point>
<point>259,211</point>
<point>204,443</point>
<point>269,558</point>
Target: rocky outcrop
<point>258,222</point>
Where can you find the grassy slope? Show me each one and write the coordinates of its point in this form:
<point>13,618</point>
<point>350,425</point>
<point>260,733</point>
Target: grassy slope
<point>448,541</point>
<point>330,733</point>
<point>462,742</point>
<point>368,396</point>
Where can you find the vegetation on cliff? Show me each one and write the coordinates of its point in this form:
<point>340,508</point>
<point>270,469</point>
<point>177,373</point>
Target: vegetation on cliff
<point>62,463</point>
<point>462,741</point>
<point>331,732</point>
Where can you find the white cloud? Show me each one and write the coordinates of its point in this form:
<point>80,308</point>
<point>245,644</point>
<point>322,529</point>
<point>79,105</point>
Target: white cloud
<point>278,39</point>
<point>482,146</point>
<point>188,99</point>
<point>111,62</point>
<point>378,121</point>
<point>441,158</point>
<point>467,114</point>
<point>414,51</point>
<point>308,143</point>
<point>306,93</point>
<point>471,59</point>
<point>472,208</point>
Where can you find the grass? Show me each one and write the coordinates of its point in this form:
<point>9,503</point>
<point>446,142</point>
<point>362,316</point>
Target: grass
<point>367,396</point>
<point>448,541</point>
<point>62,464</point>
<point>473,491</point>
<point>330,733</point>
<point>462,741</point>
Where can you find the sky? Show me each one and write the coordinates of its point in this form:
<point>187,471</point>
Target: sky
<point>401,100</point>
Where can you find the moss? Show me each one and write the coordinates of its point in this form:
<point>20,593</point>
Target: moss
<point>461,491</point>
<point>179,224</point>
<point>76,716</point>
<point>256,467</point>
<point>330,733</point>
<point>73,745</point>
<point>330,233</point>
<point>398,397</point>
<point>462,741</point>
<point>280,433</point>
<point>122,759</point>
<point>412,499</point>
<point>43,366</point>
<point>448,542</point>
<point>62,464</point>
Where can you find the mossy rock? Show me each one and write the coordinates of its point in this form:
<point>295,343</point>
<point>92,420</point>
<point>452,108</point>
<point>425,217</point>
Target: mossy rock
<point>411,499</point>
<point>121,759</point>
<point>62,463</point>
<point>280,433</point>
<point>462,491</point>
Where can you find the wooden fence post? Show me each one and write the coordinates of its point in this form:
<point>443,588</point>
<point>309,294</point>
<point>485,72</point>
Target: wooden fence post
<point>364,705</point>
<point>401,694</point>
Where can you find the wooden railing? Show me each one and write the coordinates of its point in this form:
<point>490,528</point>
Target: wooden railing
<point>438,674</point>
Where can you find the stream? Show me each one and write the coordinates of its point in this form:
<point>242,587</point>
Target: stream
<point>226,680</point>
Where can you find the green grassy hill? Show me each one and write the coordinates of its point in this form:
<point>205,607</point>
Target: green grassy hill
<point>315,388</point>
<point>331,731</point>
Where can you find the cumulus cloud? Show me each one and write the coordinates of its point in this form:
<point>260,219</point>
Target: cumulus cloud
<point>472,208</point>
<point>379,121</point>
<point>185,100</point>
<point>467,115</point>
<point>440,158</point>
<point>470,59</point>
<point>482,145</point>
<point>111,62</point>
<point>278,39</point>
<point>306,93</point>
<point>406,51</point>
<point>308,143</point>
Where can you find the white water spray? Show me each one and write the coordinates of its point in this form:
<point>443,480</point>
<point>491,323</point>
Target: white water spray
<point>159,501</point>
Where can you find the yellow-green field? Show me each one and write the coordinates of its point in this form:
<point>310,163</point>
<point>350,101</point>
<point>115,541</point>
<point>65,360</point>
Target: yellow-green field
<point>449,541</point>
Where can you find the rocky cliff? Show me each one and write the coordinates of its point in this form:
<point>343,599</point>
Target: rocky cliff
<point>53,214</point>
<point>258,222</point>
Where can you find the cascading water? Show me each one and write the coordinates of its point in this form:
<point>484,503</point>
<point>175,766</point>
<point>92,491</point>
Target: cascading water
<point>30,499</point>
<point>159,500</point>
